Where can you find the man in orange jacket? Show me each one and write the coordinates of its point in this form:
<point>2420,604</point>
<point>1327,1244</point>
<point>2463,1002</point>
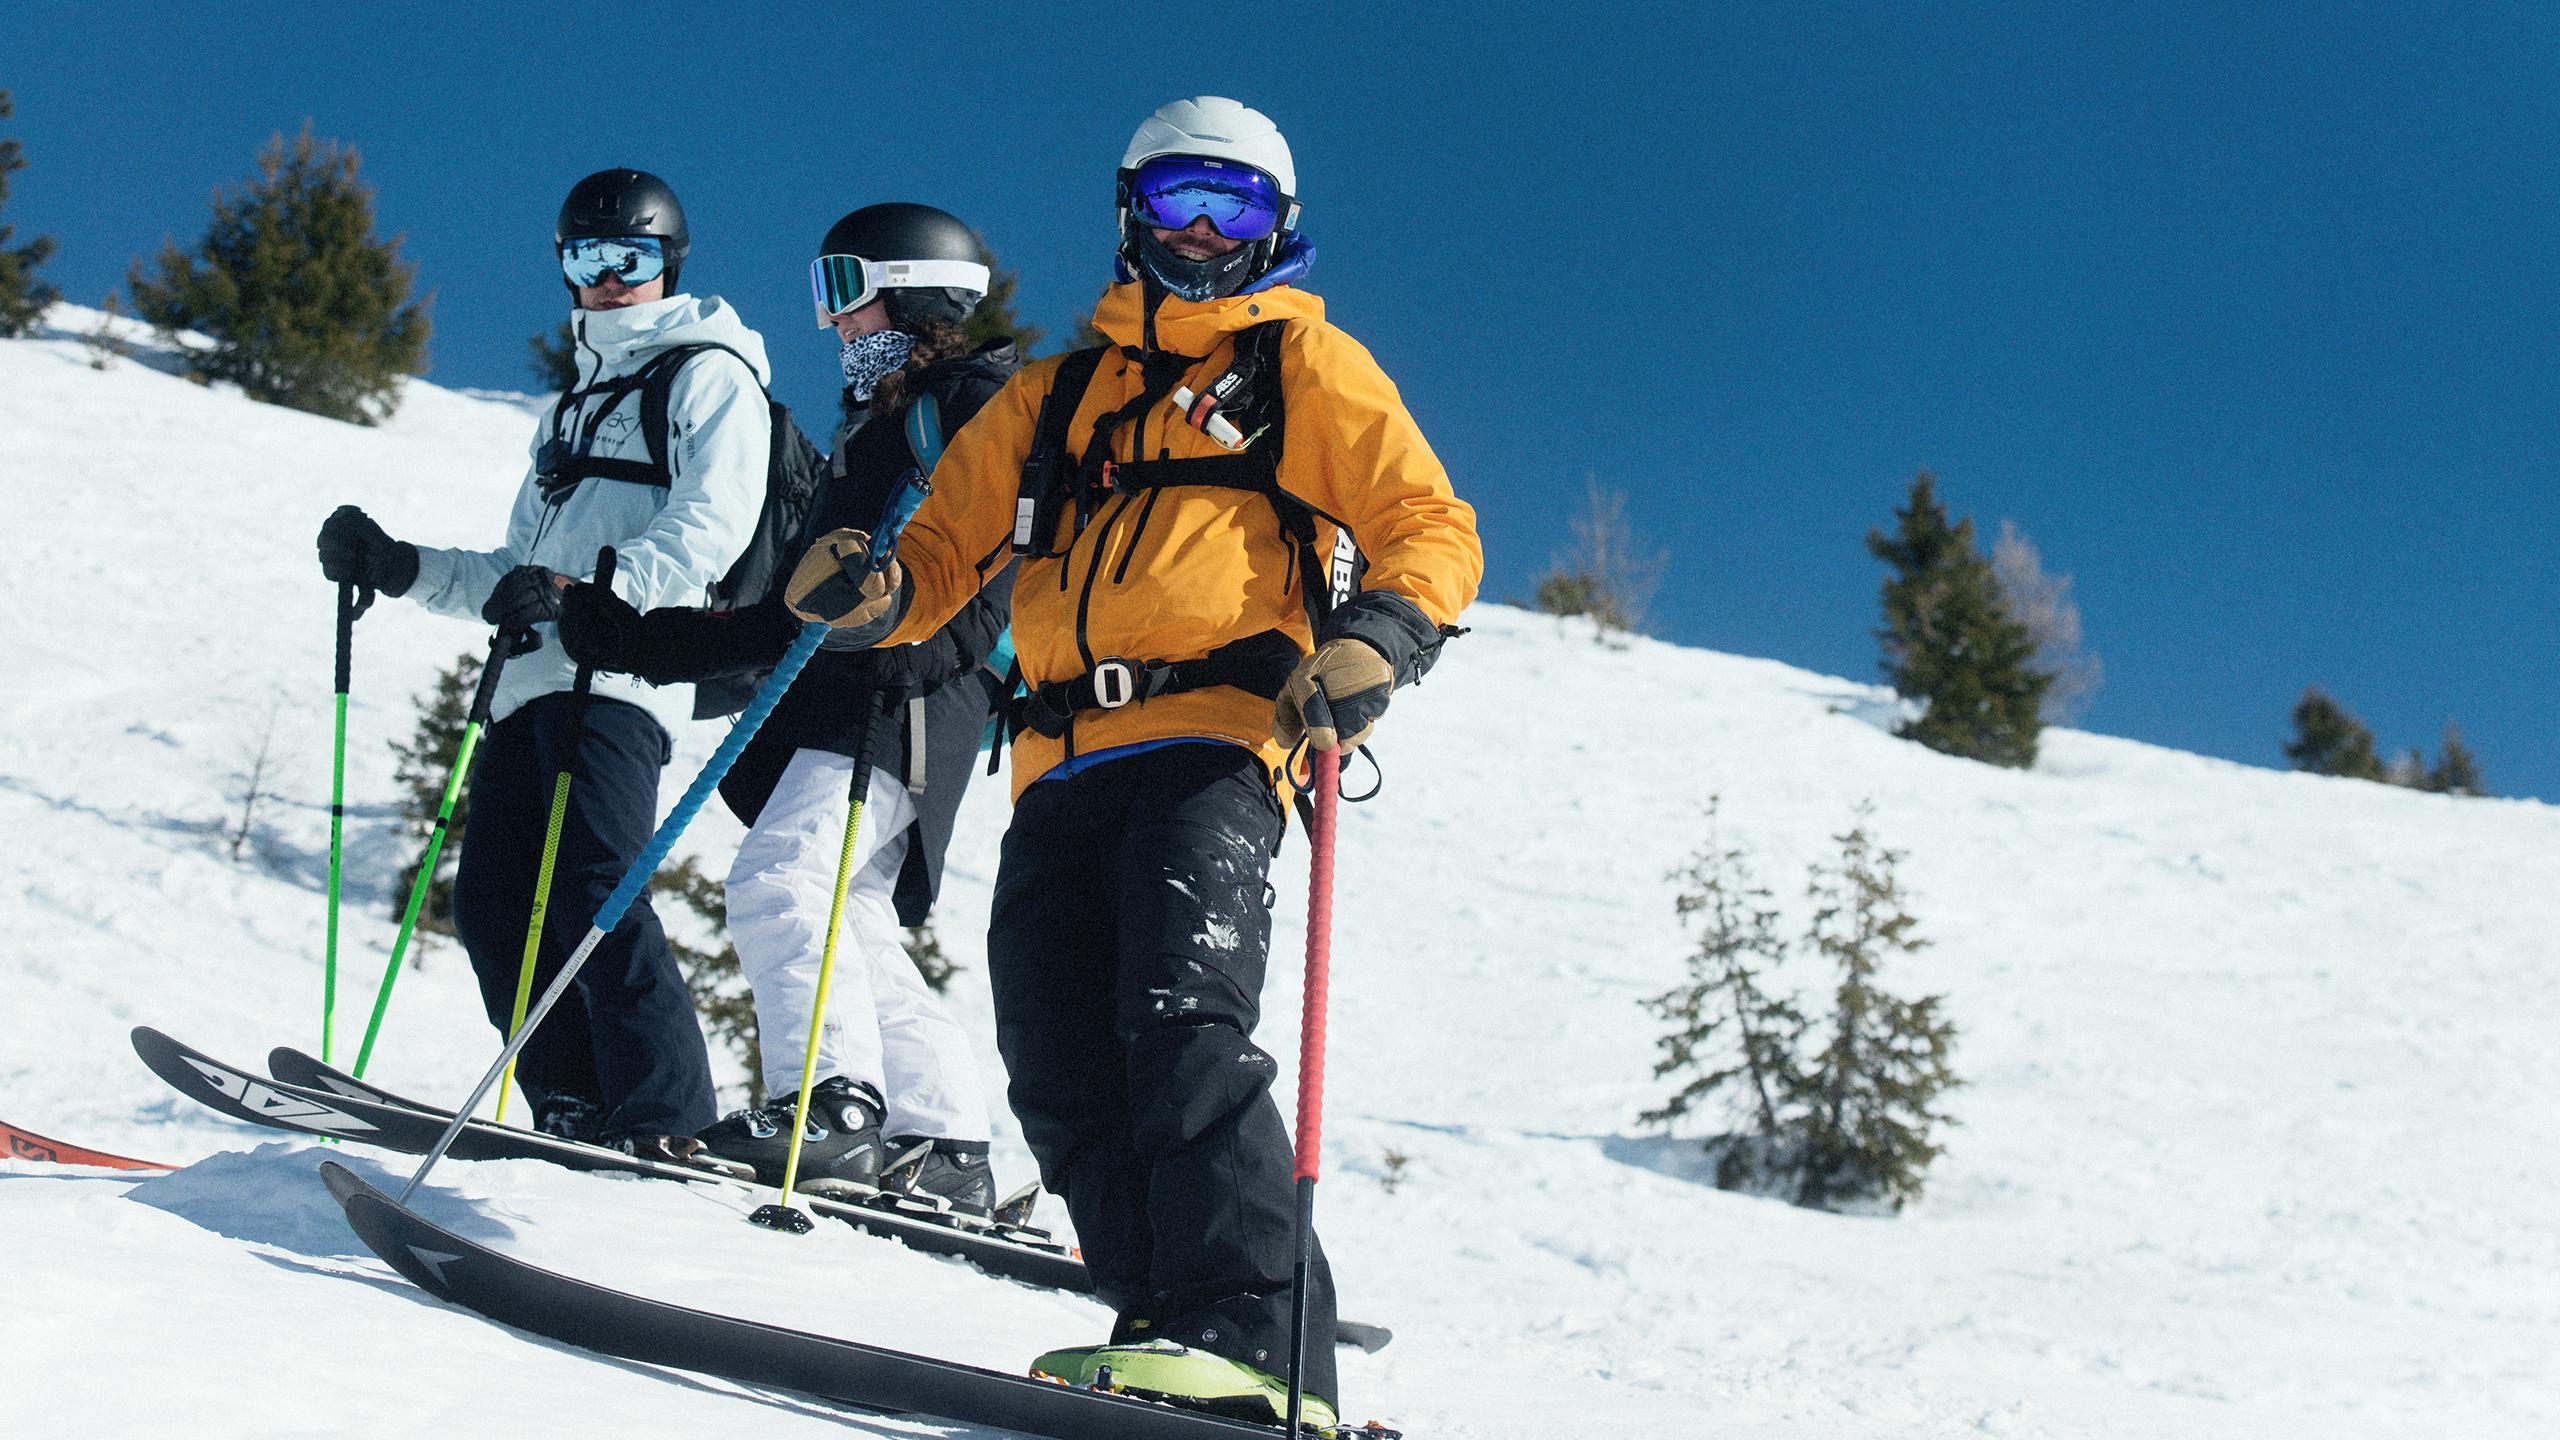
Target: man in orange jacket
<point>1221,511</point>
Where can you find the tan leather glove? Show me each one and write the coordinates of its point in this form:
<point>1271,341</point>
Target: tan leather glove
<point>1356,681</point>
<point>834,583</point>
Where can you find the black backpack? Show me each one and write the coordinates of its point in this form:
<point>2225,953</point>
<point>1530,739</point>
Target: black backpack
<point>794,471</point>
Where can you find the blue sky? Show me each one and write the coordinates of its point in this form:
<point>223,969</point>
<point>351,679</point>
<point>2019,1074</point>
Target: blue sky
<point>2247,319</point>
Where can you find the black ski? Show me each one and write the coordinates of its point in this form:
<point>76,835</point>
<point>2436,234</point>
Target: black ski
<point>300,1068</point>
<point>264,1100</point>
<point>630,1327</point>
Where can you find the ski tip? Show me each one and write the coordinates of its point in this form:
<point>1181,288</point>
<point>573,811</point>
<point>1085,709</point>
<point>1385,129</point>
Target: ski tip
<point>345,1184</point>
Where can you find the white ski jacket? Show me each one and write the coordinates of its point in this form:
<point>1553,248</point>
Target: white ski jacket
<point>670,544</point>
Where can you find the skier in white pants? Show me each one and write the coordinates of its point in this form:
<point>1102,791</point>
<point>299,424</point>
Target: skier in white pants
<point>894,1070</point>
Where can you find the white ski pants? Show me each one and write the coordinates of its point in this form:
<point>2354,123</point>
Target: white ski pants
<point>887,1028</point>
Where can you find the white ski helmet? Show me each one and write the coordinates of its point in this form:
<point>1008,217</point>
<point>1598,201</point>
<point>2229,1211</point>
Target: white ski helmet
<point>1221,129</point>
<point>1216,128</point>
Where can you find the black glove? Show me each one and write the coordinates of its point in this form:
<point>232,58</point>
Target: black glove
<point>523,598</point>
<point>355,551</point>
<point>599,628</point>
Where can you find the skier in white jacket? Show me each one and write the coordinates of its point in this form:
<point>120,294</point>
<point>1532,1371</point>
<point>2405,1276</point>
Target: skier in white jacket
<point>621,1060</point>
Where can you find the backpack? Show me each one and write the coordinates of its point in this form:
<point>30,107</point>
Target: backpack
<point>794,470</point>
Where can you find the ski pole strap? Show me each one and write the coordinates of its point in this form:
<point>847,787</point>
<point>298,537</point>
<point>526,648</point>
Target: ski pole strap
<point>769,694</point>
<point>1327,778</point>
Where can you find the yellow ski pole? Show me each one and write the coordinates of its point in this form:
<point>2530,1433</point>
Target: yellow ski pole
<point>551,848</point>
<point>783,1215</point>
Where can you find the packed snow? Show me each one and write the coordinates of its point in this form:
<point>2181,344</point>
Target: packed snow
<point>2257,1137</point>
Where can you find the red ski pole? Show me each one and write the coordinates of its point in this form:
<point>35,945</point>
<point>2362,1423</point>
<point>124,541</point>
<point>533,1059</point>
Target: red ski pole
<point>1324,775</point>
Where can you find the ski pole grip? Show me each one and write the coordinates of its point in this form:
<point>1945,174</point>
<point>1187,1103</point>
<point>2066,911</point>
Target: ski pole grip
<point>605,560</point>
<point>636,879</point>
<point>901,508</point>
<point>348,610</point>
<point>501,645</point>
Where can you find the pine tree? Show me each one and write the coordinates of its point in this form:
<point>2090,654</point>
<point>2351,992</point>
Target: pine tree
<point>1082,334</point>
<point>555,359</point>
<point>306,309</point>
<point>712,976</point>
<point>994,319</point>
<point>23,298</point>
<point>2329,741</point>
<point>925,948</point>
<point>1950,644</point>
<point>2457,770</point>
<point>1869,1098</point>
<point>1730,1035</point>
<point>426,761</point>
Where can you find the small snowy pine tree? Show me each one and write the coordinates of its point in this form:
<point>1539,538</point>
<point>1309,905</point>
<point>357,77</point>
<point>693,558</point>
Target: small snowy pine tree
<point>555,358</point>
<point>712,976</point>
<point>1866,1107</point>
<point>1729,1033</point>
<point>23,297</point>
<point>2329,741</point>
<point>2457,770</point>
<point>426,759</point>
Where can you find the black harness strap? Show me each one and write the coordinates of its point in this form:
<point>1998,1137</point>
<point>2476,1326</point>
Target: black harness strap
<point>1259,664</point>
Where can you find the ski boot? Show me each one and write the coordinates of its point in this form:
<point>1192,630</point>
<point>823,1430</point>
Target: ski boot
<point>839,1151</point>
<point>569,1117</point>
<point>1179,1375</point>
<point>943,1179</point>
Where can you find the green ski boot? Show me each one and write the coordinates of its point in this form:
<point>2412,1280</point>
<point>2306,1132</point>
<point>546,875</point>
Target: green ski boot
<point>1163,1370</point>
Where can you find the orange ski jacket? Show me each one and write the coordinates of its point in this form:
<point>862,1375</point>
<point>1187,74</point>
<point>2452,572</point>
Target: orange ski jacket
<point>1174,573</point>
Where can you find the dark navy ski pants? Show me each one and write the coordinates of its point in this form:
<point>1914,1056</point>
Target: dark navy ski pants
<point>625,1036</point>
<point>1126,951</point>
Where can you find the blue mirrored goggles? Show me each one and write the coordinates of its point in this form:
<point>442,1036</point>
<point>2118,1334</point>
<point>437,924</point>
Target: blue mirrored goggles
<point>1242,203</point>
<point>637,259</point>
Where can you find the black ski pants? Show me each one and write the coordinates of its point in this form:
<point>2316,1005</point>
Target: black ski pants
<point>1131,926</point>
<point>624,1036</point>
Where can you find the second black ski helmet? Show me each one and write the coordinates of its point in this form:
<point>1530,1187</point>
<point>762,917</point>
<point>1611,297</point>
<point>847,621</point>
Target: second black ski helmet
<point>922,262</point>
<point>613,203</point>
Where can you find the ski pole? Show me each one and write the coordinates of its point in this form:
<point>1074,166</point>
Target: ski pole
<point>551,840</point>
<point>781,1215</point>
<point>636,878</point>
<point>1324,775</point>
<point>352,603</point>
<point>501,645</point>
<point>902,506</point>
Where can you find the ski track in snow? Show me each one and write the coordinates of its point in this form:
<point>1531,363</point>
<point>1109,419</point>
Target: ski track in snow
<point>2256,1138</point>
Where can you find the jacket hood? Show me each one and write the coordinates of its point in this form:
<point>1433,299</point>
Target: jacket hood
<point>1194,327</point>
<point>995,360</point>
<point>616,342</point>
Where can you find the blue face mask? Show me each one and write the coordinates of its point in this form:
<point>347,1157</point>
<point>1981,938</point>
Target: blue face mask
<point>869,359</point>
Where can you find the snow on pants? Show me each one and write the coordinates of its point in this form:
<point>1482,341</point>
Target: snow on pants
<point>1126,950</point>
<point>888,1029</point>
<point>625,1035</point>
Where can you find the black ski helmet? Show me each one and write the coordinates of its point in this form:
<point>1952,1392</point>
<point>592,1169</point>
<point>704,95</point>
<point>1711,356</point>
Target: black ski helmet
<point>898,230</point>
<point>618,202</point>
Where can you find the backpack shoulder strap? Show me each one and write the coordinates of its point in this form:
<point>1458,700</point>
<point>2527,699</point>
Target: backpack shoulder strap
<point>657,388</point>
<point>1043,478</point>
<point>924,432</point>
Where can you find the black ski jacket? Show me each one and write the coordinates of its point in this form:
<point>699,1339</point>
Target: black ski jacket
<point>923,705</point>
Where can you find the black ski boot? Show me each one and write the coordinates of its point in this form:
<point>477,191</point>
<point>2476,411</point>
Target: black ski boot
<point>839,1152</point>
<point>569,1117</point>
<point>940,1177</point>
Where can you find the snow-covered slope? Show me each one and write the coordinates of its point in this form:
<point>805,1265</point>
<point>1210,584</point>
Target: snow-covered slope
<point>2258,1137</point>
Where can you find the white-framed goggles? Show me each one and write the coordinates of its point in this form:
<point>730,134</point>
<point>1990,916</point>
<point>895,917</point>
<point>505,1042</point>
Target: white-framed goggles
<point>839,283</point>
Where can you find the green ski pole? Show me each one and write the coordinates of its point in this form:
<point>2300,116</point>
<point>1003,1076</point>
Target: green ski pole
<point>352,603</point>
<point>551,845</point>
<point>501,646</point>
